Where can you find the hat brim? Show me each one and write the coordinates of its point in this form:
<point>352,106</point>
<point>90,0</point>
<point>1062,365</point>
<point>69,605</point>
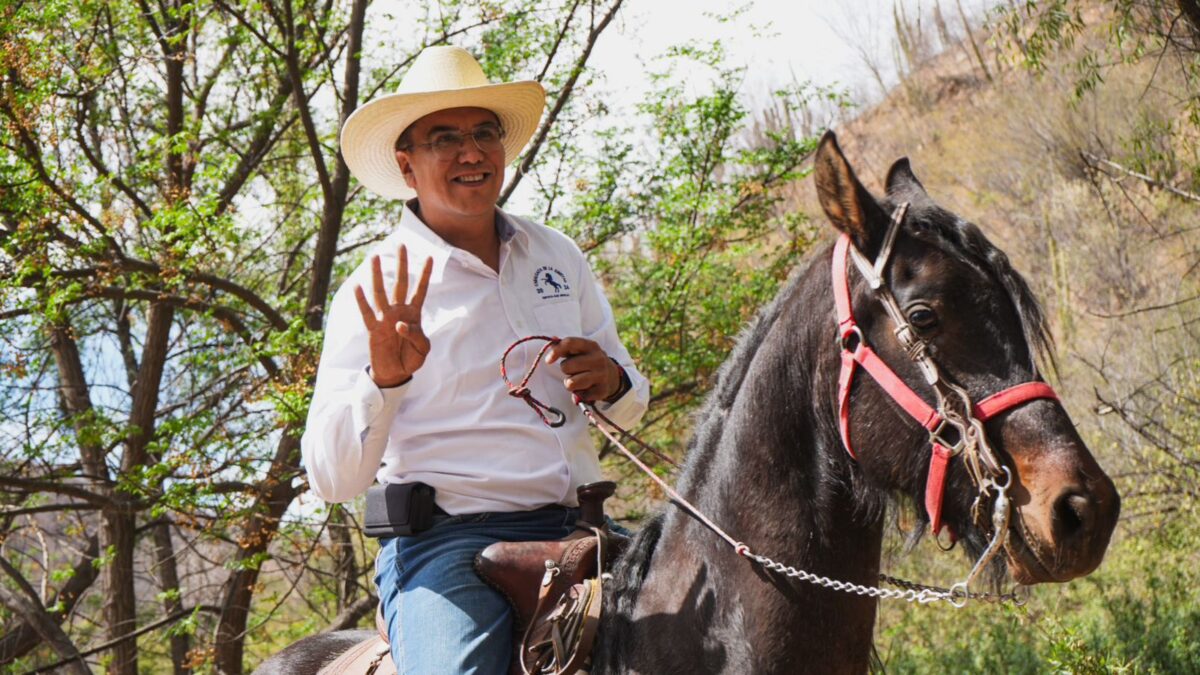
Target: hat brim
<point>369,135</point>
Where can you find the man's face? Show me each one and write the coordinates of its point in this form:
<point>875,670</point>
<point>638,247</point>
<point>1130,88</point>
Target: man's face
<point>465,184</point>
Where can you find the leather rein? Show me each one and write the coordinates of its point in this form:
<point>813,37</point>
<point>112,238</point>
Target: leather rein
<point>953,410</point>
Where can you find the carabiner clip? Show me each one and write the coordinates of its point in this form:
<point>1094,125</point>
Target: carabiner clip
<point>1007,480</point>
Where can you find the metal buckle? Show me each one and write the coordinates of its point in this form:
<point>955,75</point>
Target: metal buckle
<point>936,437</point>
<point>844,339</point>
<point>937,539</point>
<point>1007,482</point>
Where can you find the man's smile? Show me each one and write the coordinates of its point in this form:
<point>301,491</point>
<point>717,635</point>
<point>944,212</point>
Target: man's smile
<point>476,178</point>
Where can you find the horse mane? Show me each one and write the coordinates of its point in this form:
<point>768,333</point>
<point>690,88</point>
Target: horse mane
<point>710,416</point>
<point>708,420</point>
<point>634,563</point>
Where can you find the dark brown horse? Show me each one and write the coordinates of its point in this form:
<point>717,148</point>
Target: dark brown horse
<point>769,465</point>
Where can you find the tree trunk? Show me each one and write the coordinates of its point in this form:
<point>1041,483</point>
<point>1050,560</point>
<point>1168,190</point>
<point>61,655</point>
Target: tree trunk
<point>257,535</point>
<point>120,604</point>
<point>168,581</point>
<point>120,526</point>
<point>345,572</point>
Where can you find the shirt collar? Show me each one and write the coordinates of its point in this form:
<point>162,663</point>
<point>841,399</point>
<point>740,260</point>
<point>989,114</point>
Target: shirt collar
<point>411,224</point>
<point>508,228</point>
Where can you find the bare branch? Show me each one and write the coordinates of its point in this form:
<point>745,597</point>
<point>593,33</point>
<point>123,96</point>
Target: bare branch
<point>132,635</point>
<point>24,638</point>
<point>47,508</point>
<point>1178,192</point>
<point>559,103</point>
<point>350,616</point>
<point>28,606</point>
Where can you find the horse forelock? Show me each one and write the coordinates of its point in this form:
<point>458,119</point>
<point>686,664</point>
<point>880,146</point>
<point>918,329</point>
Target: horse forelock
<point>965,242</point>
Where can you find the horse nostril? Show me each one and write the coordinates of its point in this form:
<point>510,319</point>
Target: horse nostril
<point>1073,514</point>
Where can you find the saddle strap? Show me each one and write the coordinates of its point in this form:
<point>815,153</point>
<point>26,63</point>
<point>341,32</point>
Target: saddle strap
<point>593,599</point>
<point>369,657</point>
<point>573,626</point>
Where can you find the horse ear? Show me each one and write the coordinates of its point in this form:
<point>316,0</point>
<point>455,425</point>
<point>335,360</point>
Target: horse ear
<point>902,182</point>
<point>849,206</point>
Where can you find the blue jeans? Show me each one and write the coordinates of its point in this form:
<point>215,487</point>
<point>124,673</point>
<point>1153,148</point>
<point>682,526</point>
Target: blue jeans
<point>441,617</point>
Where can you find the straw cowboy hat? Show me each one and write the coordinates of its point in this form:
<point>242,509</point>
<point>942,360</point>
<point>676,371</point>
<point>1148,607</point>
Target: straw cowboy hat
<point>440,78</point>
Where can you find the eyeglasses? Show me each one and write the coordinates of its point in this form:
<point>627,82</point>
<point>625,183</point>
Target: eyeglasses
<point>448,144</point>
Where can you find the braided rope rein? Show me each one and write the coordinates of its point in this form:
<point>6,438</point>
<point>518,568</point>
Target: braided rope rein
<point>957,595</point>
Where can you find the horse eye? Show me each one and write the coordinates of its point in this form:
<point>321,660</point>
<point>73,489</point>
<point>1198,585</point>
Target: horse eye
<point>922,317</point>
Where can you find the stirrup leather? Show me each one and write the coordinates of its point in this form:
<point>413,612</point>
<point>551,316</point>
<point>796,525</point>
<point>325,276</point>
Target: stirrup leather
<point>559,638</point>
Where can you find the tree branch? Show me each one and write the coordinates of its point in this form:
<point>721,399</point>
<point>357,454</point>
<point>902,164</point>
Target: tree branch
<point>93,158</point>
<point>47,508</point>
<point>25,637</point>
<point>262,141</point>
<point>35,486</point>
<point>147,385</point>
<point>336,190</point>
<point>292,60</point>
<point>28,606</point>
<point>132,635</point>
<point>559,103</point>
<point>1178,192</point>
<point>350,616</point>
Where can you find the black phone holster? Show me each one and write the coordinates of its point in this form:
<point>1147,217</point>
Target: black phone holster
<point>398,509</point>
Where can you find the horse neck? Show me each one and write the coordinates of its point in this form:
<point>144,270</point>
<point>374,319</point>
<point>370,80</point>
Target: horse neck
<point>767,465</point>
<point>767,454</point>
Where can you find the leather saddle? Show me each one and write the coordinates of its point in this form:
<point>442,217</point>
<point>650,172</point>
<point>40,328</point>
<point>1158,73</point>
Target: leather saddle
<point>556,588</point>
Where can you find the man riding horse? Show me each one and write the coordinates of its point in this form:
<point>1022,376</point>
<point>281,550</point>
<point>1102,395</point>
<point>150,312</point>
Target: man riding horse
<point>407,392</point>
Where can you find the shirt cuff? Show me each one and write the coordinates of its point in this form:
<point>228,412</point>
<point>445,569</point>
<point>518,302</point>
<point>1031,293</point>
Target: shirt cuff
<point>370,401</point>
<point>621,406</point>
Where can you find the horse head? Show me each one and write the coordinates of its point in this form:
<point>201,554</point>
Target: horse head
<point>957,303</point>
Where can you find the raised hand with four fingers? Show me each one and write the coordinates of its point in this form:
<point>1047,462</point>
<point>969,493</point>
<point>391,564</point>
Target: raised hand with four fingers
<point>398,346</point>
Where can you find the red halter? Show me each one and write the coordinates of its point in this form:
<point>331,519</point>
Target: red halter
<point>856,351</point>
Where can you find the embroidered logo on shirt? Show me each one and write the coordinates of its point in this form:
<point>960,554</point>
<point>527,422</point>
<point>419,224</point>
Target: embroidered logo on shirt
<point>550,282</point>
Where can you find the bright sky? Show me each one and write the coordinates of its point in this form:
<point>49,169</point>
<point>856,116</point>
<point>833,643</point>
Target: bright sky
<point>786,40</point>
<point>782,39</point>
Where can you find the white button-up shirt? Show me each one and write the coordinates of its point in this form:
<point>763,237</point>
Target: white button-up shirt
<point>454,426</point>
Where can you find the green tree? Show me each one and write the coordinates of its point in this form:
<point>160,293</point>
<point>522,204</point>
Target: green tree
<point>173,212</point>
<point>173,217</point>
<point>684,218</point>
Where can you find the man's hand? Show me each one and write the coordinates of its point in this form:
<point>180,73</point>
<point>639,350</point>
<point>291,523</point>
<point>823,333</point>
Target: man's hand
<point>398,346</point>
<point>591,375</point>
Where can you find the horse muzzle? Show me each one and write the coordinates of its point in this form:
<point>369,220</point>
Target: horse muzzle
<point>1065,506</point>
